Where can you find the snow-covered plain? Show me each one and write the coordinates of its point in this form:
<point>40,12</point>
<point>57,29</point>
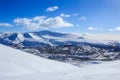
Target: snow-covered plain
<point>18,65</point>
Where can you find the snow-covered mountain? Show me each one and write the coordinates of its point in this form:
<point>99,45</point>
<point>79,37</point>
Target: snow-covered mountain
<point>36,38</point>
<point>47,38</point>
<point>18,65</point>
<point>62,46</point>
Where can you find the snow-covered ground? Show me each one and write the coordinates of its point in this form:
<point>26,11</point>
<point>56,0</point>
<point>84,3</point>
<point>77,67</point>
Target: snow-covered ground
<point>18,65</point>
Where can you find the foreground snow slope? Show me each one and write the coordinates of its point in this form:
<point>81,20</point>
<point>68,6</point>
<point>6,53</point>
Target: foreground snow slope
<point>18,65</point>
<point>15,62</point>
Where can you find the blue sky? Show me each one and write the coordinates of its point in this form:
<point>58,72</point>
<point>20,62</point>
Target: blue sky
<point>80,16</point>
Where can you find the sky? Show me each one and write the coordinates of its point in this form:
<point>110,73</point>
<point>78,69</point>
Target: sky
<point>74,16</point>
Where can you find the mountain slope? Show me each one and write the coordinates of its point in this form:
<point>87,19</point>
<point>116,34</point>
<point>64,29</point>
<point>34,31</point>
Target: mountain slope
<point>15,62</point>
<point>62,46</point>
<point>18,65</point>
<point>47,37</point>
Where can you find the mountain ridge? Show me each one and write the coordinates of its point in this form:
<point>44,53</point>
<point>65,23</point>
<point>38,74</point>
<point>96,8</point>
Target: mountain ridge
<point>47,38</point>
<point>61,46</point>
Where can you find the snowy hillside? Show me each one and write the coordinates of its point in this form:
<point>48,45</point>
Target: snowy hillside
<point>47,37</point>
<point>18,65</point>
<point>15,62</point>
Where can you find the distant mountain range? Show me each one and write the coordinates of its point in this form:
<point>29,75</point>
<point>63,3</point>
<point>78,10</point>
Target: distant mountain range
<point>41,38</point>
<point>63,46</point>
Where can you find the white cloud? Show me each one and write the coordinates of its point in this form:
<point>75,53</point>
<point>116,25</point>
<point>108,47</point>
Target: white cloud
<point>91,28</point>
<point>118,28</point>
<point>114,29</point>
<point>82,18</point>
<point>110,29</point>
<point>76,14</point>
<point>64,15</point>
<point>42,22</point>
<point>52,8</point>
<point>5,25</point>
<point>104,36</point>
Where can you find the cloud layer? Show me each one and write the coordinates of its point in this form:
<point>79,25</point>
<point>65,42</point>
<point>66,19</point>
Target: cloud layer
<point>5,25</point>
<point>42,22</point>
